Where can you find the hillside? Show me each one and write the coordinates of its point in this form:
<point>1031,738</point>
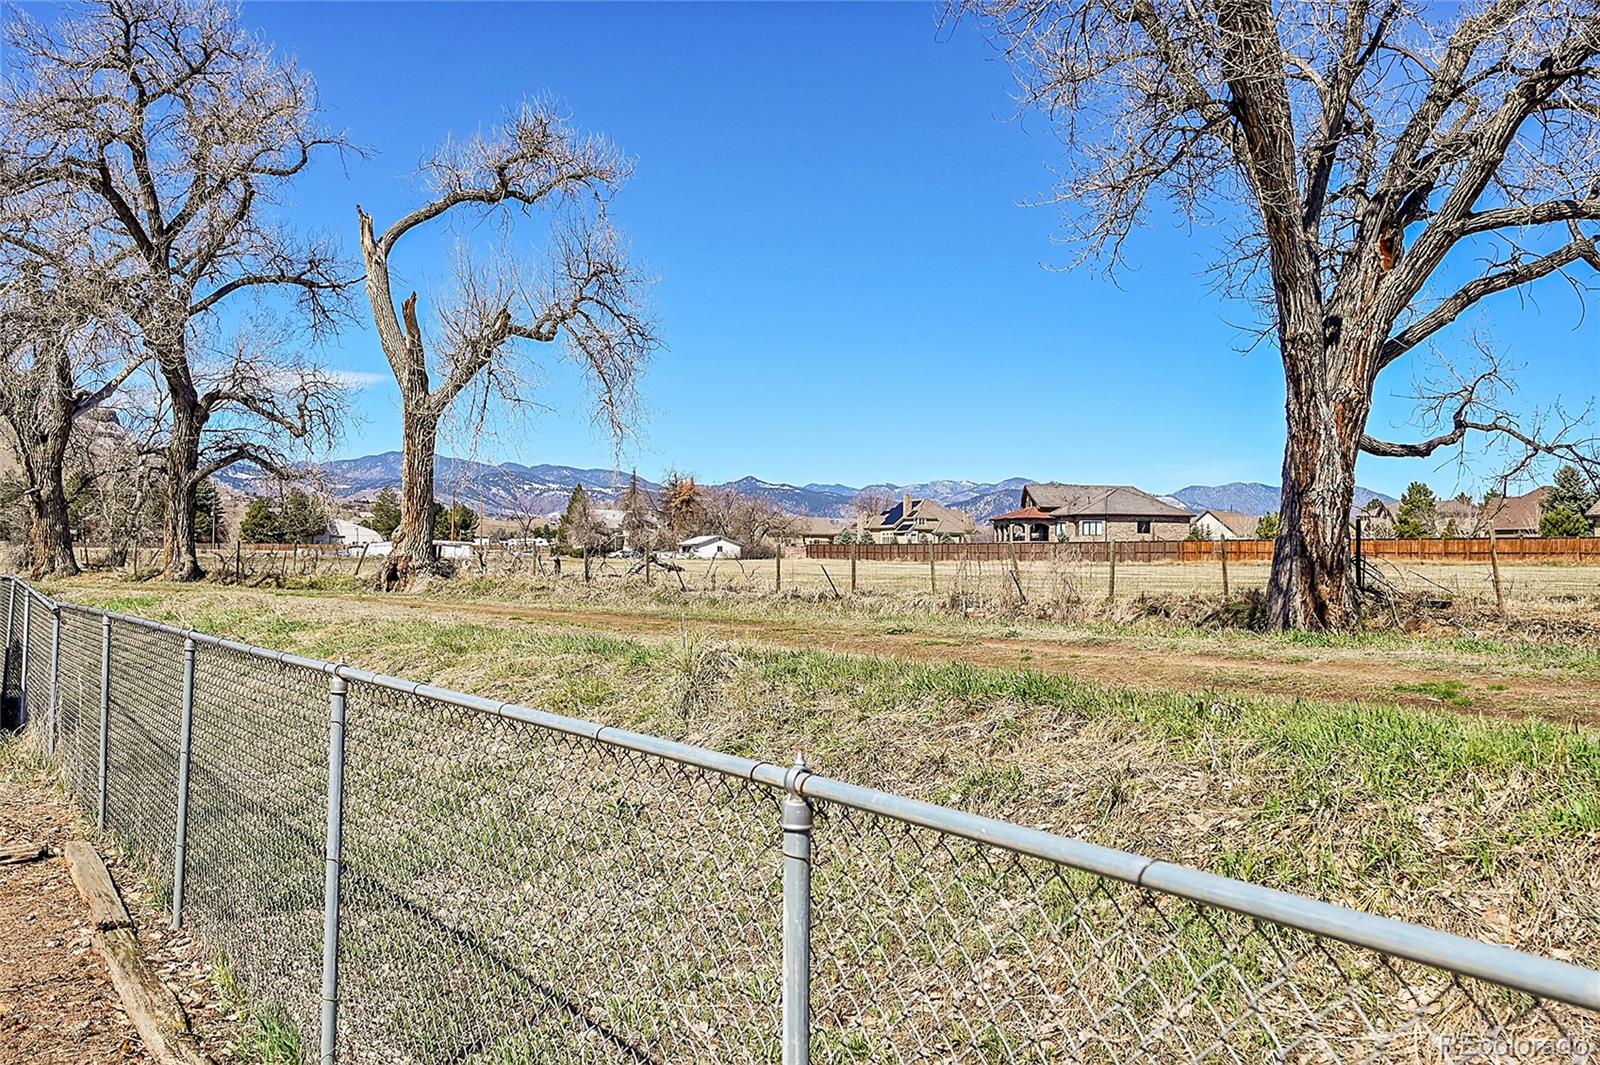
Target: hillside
<point>511,488</point>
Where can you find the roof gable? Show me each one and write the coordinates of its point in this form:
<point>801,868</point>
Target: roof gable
<point>1100,501</point>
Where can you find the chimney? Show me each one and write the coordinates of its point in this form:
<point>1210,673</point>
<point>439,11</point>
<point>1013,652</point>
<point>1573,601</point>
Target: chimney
<point>905,505</point>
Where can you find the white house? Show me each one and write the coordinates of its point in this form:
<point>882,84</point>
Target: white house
<point>354,536</point>
<point>710,546</point>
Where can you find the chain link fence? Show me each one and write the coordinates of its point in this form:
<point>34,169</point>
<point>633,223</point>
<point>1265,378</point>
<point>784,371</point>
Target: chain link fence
<point>406,874</point>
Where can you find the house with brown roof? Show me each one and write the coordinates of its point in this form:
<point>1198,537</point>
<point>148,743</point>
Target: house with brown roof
<point>1594,519</point>
<point>810,530</point>
<point>919,521</point>
<point>1517,515</point>
<point>1227,525</point>
<point>1064,513</point>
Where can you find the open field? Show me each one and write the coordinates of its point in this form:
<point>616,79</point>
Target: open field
<point>1486,827</point>
<point>1038,587</point>
<point>1539,660</point>
<point>1016,732</point>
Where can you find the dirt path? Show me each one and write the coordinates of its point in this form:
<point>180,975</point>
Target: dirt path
<point>57,1005</point>
<point>1333,674</point>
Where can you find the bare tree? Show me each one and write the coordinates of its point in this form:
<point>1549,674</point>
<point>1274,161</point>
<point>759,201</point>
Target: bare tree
<point>166,129</point>
<point>587,296</point>
<point>1380,146</point>
<point>63,353</point>
<point>753,521</point>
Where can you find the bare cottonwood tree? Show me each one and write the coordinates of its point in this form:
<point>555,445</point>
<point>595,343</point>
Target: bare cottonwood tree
<point>64,351</point>
<point>587,296</point>
<point>754,521</point>
<point>168,130</point>
<point>1385,149</point>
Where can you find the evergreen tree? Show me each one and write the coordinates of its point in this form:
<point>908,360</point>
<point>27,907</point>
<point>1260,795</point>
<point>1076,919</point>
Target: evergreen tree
<point>579,526</point>
<point>1563,521</point>
<point>386,513</point>
<point>260,524</point>
<point>1267,527</point>
<point>209,525</point>
<point>455,522</point>
<point>1571,491</point>
<point>636,524</point>
<point>303,517</point>
<point>1418,514</point>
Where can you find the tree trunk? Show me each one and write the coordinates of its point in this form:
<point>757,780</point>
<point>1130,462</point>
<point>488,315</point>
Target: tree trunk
<point>413,551</point>
<point>180,559</point>
<point>1312,584</point>
<point>50,535</point>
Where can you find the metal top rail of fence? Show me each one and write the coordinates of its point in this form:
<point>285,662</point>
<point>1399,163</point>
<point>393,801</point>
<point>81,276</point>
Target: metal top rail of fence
<point>409,873</point>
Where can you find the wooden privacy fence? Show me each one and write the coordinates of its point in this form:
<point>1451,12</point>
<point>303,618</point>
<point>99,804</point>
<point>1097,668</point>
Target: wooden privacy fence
<point>1570,549</point>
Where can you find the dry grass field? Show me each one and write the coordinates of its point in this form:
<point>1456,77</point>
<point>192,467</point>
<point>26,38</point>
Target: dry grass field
<point>1372,788</point>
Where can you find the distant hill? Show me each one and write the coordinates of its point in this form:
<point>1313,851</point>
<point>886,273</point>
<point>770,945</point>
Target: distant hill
<point>1250,497</point>
<point>512,488</point>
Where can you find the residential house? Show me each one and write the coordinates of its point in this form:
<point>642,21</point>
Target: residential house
<point>1066,513</point>
<point>815,530</point>
<point>1594,519</point>
<point>710,546</point>
<point>1226,525</point>
<point>1517,515</point>
<point>349,533</point>
<point>920,521</point>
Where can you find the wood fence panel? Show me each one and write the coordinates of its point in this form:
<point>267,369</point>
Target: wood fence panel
<point>1568,549</point>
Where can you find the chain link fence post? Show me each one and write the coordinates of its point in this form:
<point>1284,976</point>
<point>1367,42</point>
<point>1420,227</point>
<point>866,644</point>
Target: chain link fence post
<point>5,657</point>
<point>27,639</point>
<point>337,688</point>
<point>185,734</point>
<point>53,710</point>
<point>11,617</point>
<point>796,822</point>
<point>105,716</point>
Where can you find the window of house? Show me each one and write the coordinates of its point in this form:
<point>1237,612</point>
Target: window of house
<point>1091,528</point>
<point>1144,526</point>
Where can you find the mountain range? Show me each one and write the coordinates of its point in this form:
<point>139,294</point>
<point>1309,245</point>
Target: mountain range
<point>511,488</point>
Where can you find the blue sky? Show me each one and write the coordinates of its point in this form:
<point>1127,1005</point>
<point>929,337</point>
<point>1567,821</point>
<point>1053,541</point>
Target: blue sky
<point>848,288</point>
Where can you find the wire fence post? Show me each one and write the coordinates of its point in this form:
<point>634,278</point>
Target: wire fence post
<point>337,687</point>
<point>185,735</point>
<point>105,715</point>
<point>53,710</point>
<point>796,822</point>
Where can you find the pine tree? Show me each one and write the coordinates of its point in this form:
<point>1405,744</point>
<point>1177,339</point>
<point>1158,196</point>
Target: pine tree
<point>1418,515</point>
<point>260,524</point>
<point>1267,527</point>
<point>579,526</point>
<point>208,520</point>
<point>1571,491</point>
<point>304,519</point>
<point>455,522</point>
<point>636,525</point>
<point>386,513</point>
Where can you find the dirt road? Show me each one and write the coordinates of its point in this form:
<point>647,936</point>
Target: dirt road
<point>1143,663</point>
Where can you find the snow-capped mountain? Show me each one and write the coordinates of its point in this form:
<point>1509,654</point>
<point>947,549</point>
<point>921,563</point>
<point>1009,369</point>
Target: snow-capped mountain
<point>512,488</point>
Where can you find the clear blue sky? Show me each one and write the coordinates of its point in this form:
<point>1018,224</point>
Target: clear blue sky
<point>849,289</point>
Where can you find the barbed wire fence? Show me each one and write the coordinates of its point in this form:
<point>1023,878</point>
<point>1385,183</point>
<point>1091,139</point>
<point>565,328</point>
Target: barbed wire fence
<point>408,874</point>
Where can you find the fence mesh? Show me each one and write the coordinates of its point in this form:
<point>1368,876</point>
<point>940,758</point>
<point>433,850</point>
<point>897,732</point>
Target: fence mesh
<point>513,893</point>
<point>929,947</point>
<point>142,749</point>
<point>256,846</point>
<point>78,724</point>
